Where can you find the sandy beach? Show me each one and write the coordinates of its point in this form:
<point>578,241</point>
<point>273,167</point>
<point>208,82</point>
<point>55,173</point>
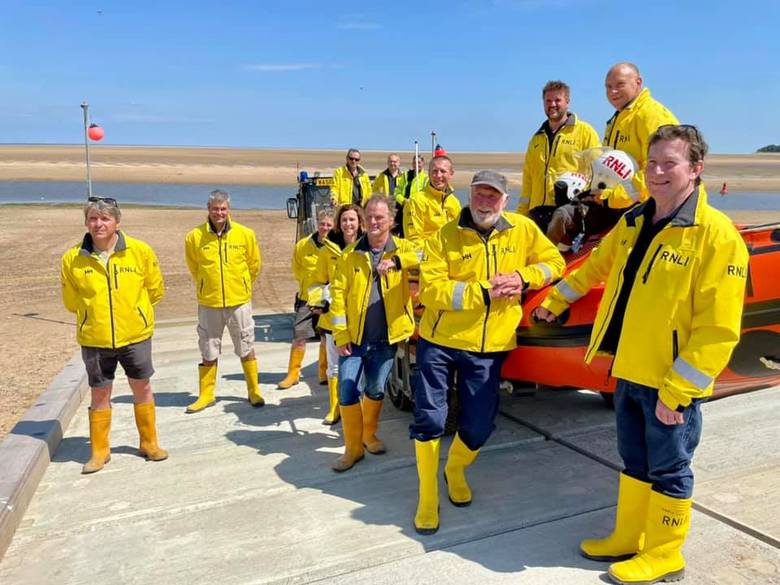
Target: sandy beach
<point>755,172</point>
<point>38,334</point>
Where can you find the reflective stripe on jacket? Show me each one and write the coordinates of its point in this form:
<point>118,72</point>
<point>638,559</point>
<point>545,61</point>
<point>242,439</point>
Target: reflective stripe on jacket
<point>341,190</point>
<point>328,259</point>
<point>454,279</point>
<point>684,312</point>
<point>351,287</point>
<point>629,130</point>
<point>223,267</point>
<point>545,162</point>
<point>304,263</point>
<point>427,211</point>
<point>113,302</point>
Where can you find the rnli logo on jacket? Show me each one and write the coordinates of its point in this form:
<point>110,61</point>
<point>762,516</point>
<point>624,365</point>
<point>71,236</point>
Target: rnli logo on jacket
<point>507,250</point>
<point>236,246</point>
<point>122,269</point>
<point>623,138</point>
<point>569,141</point>
<point>675,258</point>
<point>738,271</point>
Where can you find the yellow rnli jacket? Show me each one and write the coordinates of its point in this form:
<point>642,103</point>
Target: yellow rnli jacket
<point>351,285</point>
<point>223,267</point>
<point>427,211</point>
<point>408,184</point>
<point>113,303</point>
<point>629,130</point>
<point>304,263</point>
<point>341,190</point>
<point>328,259</point>
<point>381,183</point>
<point>683,315</point>
<point>454,281</point>
<point>545,161</point>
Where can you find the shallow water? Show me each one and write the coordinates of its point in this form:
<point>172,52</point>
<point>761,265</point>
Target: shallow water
<point>259,196</point>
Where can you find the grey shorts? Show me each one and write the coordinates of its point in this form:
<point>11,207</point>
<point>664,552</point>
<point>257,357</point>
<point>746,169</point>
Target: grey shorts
<point>305,324</point>
<point>211,326</point>
<point>136,360</point>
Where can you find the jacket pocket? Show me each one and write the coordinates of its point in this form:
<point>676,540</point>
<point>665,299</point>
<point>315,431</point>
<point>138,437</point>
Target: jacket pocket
<point>83,321</point>
<point>202,282</point>
<point>436,323</point>
<point>675,345</point>
<point>140,312</point>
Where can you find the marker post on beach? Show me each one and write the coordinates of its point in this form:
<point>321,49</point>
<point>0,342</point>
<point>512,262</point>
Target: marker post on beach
<point>85,108</point>
<point>433,143</point>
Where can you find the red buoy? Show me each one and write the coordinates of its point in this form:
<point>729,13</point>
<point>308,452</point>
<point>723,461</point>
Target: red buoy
<point>439,151</point>
<point>95,132</point>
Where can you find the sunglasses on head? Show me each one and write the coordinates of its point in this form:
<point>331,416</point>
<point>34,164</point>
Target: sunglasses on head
<point>109,200</point>
<point>689,127</point>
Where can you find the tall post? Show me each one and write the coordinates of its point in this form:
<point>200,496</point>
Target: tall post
<point>416,155</point>
<point>433,143</point>
<point>85,107</point>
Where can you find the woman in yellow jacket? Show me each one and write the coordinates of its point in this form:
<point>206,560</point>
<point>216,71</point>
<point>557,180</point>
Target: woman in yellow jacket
<point>371,310</point>
<point>304,265</point>
<point>675,271</point>
<point>111,282</point>
<point>349,226</point>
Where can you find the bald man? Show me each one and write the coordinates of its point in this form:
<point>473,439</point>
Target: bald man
<point>637,116</point>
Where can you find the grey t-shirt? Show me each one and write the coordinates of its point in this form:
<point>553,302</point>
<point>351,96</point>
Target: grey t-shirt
<point>376,319</point>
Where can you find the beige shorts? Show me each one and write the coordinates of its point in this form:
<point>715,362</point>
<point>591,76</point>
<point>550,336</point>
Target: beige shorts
<point>211,326</point>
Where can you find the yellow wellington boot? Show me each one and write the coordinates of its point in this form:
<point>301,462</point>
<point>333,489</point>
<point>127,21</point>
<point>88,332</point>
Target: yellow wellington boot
<point>458,459</point>
<point>293,369</point>
<point>99,429</point>
<point>207,377</point>
<point>426,520</point>
<point>323,363</point>
<point>626,538</point>
<point>147,428</point>
<point>333,412</point>
<point>252,384</point>
<point>371,411</point>
<point>352,423</point>
<point>668,520</point>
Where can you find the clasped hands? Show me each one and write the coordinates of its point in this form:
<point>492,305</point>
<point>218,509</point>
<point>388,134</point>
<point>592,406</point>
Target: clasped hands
<point>506,286</point>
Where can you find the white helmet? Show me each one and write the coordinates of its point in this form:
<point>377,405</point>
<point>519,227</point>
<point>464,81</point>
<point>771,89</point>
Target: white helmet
<point>575,183</point>
<point>612,168</point>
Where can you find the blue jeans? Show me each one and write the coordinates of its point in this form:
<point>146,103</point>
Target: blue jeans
<point>652,451</point>
<point>373,362</point>
<point>478,376</point>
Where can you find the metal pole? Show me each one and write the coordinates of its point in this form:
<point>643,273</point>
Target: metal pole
<point>433,143</point>
<point>85,107</point>
<point>416,155</point>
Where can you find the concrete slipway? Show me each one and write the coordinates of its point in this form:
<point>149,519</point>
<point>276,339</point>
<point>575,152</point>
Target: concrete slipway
<point>248,495</point>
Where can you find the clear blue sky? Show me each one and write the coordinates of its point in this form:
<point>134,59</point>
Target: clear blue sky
<point>376,75</point>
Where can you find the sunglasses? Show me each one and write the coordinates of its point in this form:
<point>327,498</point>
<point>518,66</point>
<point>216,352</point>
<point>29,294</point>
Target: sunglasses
<point>688,127</point>
<point>355,158</point>
<point>109,200</point>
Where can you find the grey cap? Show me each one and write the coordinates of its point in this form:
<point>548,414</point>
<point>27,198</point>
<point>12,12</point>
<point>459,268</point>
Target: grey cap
<point>491,179</point>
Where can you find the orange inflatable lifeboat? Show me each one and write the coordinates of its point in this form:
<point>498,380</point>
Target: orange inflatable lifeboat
<point>553,355</point>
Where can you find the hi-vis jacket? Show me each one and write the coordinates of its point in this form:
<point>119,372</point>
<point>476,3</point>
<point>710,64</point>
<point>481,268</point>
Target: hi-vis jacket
<point>683,315</point>
<point>454,281</point>
<point>351,286</point>
<point>381,183</point>
<point>408,184</point>
<point>341,190</point>
<point>545,162</point>
<point>427,211</point>
<point>304,263</point>
<point>224,267</point>
<point>629,130</point>
<point>113,303</point>
<point>328,259</point>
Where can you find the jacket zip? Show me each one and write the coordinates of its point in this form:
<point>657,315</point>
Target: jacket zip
<point>363,304</point>
<point>116,278</point>
<point>617,136</point>
<point>110,304</point>
<point>83,321</point>
<point>675,345</point>
<point>598,337</point>
<point>221,272</point>
<point>650,266</point>
<point>487,309</point>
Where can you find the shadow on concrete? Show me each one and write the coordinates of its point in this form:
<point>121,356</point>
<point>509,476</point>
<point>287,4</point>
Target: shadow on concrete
<point>49,431</point>
<point>517,484</point>
<point>162,399</point>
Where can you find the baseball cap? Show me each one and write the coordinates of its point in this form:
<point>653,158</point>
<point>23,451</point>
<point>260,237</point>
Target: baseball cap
<point>491,179</point>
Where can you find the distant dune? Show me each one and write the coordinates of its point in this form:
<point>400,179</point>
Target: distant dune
<point>241,166</point>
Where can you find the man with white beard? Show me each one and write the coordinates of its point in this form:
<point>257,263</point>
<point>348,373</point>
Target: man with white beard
<point>472,275</point>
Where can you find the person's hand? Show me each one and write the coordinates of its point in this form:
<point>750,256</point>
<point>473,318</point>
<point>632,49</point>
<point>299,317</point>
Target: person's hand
<point>666,415</point>
<point>507,285</point>
<point>345,350</point>
<point>542,314</point>
<point>385,266</point>
<point>316,310</point>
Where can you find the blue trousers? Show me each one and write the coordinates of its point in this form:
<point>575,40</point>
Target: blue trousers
<point>372,362</point>
<point>652,451</point>
<point>477,387</point>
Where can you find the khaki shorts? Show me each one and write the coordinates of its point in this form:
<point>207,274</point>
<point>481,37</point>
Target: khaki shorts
<point>211,326</point>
